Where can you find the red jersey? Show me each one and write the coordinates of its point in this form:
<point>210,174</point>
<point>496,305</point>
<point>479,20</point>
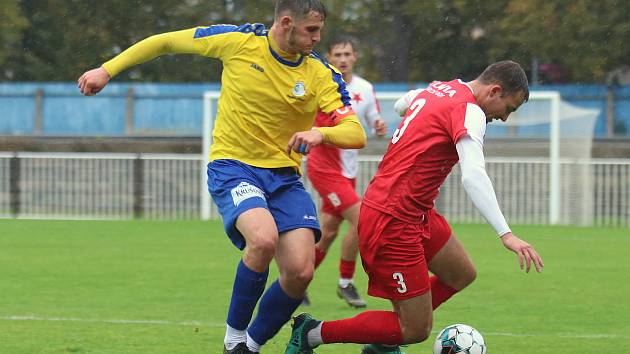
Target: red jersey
<point>422,151</point>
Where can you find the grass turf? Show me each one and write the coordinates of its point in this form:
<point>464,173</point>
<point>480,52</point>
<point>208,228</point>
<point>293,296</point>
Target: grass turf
<point>164,287</point>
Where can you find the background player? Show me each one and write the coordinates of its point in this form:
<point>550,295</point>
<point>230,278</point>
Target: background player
<point>333,171</point>
<point>402,238</point>
<point>272,87</point>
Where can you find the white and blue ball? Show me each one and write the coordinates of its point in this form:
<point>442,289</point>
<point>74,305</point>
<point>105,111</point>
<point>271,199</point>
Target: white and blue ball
<point>459,339</point>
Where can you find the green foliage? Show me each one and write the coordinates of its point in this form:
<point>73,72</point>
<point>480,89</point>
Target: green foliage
<point>67,37</point>
<point>587,37</point>
<point>401,40</point>
<point>163,287</point>
<point>12,24</point>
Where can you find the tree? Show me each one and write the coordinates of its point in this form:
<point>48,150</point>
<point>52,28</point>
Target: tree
<point>414,41</point>
<point>11,27</point>
<point>68,37</point>
<point>400,40</point>
<point>586,37</point>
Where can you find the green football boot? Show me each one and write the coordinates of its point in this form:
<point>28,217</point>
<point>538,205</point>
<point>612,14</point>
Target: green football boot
<point>298,344</point>
<point>379,349</point>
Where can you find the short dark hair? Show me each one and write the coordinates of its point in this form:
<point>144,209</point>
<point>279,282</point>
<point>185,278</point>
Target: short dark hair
<point>342,40</point>
<point>509,75</point>
<point>299,8</point>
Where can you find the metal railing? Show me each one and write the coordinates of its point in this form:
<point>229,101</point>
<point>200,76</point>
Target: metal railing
<point>159,186</point>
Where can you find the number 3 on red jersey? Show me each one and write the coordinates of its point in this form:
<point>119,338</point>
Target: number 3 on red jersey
<point>416,106</point>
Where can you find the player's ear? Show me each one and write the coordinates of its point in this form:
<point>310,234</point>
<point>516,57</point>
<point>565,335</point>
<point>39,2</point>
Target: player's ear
<point>355,55</point>
<point>496,90</point>
<point>286,22</point>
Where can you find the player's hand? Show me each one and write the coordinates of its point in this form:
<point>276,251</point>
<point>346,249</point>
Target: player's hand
<point>525,252</point>
<point>93,81</point>
<point>380,128</point>
<point>303,142</point>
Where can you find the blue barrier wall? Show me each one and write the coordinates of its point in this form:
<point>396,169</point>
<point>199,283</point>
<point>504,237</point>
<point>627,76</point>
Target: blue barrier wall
<point>58,109</point>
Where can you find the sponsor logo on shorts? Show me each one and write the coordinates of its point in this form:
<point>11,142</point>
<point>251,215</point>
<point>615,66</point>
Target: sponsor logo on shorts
<point>334,199</point>
<point>245,191</point>
<point>310,217</point>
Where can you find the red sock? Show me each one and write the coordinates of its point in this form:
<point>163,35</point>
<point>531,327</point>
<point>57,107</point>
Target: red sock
<point>346,269</point>
<point>440,292</point>
<point>378,327</point>
<point>319,256</point>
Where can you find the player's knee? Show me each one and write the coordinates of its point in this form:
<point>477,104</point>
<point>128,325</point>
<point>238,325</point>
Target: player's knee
<point>305,275</point>
<point>471,276</point>
<point>465,278</point>
<point>300,274</point>
<point>415,333</point>
<point>415,328</point>
<point>329,236</point>
<point>263,245</point>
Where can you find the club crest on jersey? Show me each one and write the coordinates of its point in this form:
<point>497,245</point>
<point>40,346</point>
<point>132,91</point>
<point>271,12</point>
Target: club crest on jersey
<point>245,191</point>
<point>299,89</point>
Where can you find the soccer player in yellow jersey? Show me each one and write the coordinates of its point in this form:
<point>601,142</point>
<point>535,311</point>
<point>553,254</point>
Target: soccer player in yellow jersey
<point>272,86</point>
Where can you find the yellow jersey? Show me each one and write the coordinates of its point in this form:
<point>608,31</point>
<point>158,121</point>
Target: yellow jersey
<point>267,95</point>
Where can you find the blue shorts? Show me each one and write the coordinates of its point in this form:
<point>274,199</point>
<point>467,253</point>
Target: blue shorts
<point>237,187</point>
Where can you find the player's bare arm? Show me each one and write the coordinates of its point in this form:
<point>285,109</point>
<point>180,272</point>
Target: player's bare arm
<point>93,81</point>
<point>380,128</point>
<point>347,132</point>
<point>525,252</point>
<point>303,142</point>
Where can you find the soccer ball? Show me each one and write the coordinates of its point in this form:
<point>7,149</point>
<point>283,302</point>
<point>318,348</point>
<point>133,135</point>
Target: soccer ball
<point>459,338</point>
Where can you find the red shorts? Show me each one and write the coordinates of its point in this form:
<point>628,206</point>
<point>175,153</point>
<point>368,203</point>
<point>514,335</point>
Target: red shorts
<point>338,192</point>
<point>396,253</point>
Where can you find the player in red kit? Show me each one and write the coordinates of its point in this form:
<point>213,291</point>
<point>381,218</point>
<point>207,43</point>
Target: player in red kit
<point>333,171</point>
<point>402,237</point>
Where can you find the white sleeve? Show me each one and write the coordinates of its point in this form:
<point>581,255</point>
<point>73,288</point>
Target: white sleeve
<point>402,104</point>
<point>372,112</point>
<point>474,177</point>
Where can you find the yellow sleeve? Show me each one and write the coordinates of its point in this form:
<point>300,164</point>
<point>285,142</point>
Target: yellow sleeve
<point>153,47</point>
<point>218,41</point>
<point>347,134</point>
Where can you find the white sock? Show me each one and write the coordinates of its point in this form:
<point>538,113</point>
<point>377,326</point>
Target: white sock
<point>252,345</point>
<point>343,282</point>
<point>233,336</point>
<point>314,336</point>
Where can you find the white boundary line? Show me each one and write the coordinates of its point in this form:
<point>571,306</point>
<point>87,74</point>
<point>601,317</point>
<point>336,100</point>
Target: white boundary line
<point>115,321</point>
<point>222,325</point>
<point>558,335</point>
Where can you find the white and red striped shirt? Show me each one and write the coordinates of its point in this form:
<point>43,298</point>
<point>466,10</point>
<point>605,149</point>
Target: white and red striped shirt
<point>329,159</point>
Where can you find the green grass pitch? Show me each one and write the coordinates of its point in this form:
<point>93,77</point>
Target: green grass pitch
<point>163,287</point>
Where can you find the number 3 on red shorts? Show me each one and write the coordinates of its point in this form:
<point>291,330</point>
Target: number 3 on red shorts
<point>402,287</point>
